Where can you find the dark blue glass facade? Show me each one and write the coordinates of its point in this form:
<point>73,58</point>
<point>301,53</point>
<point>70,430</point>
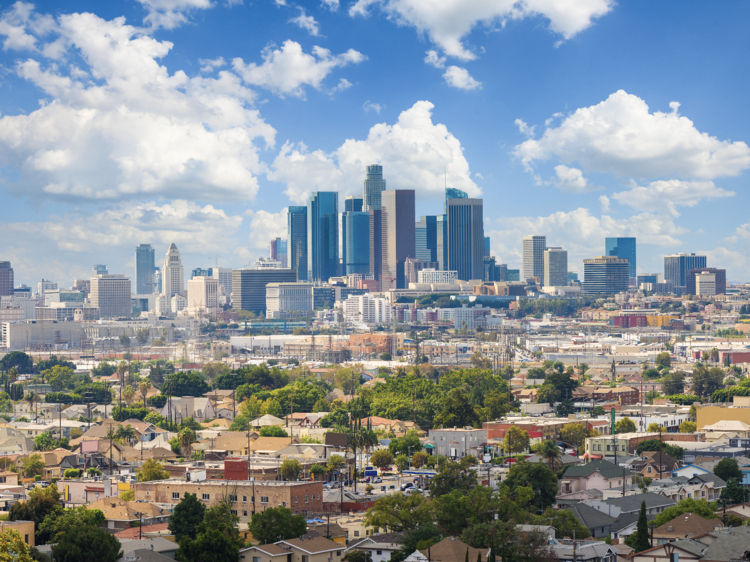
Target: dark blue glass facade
<point>623,248</point>
<point>357,238</point>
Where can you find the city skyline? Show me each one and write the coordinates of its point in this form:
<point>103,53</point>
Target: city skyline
<point>469,118</point>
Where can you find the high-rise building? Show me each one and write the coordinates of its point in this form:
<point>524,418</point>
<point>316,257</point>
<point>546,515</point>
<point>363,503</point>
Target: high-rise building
<point>172,274</point>
<point>278,251</point>
<point>605,275</point>
<point>322,235</point>
<point>99,269</point>
<point>533,257</point>
<point>203,296</point>
<point>157,280</point>
<point>111,294</point>
<point>372,188</point>
<point>441,236</point>
<point>356,242</point>
<point>453,193</point>
<point>486,246</point>
<point>6,279</point>
<point>676,267</point>
<point>555,267</point>
<point>398,236</point>
<point>425,239</point>
<point>46,285</point>
<point>466,238</point>
<point>412,267</point>
<point>376,245</point>
<point>297,240</point>
<point>572,276</point>
<point>224,277</point>
<point>249,286</point>
<point>647,278</point>
<point>623,248</point>
<point>705,284</point>
<point>200,272</point>
<point>353,204</point>
<point>144,269</point>
<point>720,280</point>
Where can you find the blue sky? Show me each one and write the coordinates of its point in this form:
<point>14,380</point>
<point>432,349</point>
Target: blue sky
<point>200,121</point>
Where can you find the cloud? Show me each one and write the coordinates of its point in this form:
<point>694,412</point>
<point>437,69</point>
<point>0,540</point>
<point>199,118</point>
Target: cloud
<point>604,203</point>
<point>308,23</point>
<point>343,84</point>
<point>571,180</point>
<point>332,5</point>
<point>434,59</point>
<point>524,128</point>
<point>669,194</point>
<point>15,23</point>
<point>288,69</point>
<point>621,137</point>
<point>369,106</point>
<point>208,65</point>
<point>131,129</point>
<point>447,22</point>
<point>478,175</point>
<point>171,13</point>
<point>415,153</point>
<point>460,78</point>
<point>264,227</point>
<point>580,233</point>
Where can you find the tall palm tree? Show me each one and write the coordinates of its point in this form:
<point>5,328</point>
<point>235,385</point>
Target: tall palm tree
<point>551,453</point>
<point>186,437</point>
<point>126,434</point>
<point>111,434</point>
<point>143,387</point>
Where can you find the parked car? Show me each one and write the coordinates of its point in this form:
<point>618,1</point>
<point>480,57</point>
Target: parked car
<point>377,480</point>
<point>365,480</point>
<point>406,485</point>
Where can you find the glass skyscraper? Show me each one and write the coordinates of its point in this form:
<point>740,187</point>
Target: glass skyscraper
<point>297,240</point>
<point>398,236</point>
<point>145,264</point>
<point>322,235</point>
<point>676,267</point>
<point>351,204</point>
<point>486,246</point>
<point>356,241</point>
<point>453,193</point>
<point>425,237</point>
<point>623,248</point>
<point>466,238</point>
<point>372,187</point>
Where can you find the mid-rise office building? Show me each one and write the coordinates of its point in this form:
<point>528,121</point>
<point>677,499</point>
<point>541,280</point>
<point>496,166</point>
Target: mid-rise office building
<point>425,239</point>
<point>203,296</point>
<point>372,188</point>
<point>555,267</point>
<point>322,235</point>
<point>6,279</point>
<point>288,300</point>
<point>605,275</point>
<point>110,293</point>
<point>172,274</point>
<point>25,291</point>
<point>397,216</point>
<point>572,276</point>
<point>63,295</point>
<point>720,285</point>
<point>297,240</point>
<point>200,272</point>
<point>356,242</point>
<point>648,278</point>
<point>533,257</point>
<point>431,275</point>
<point>623,248</point>
<point>278,251</point>
<point>705,284</point>
<point>466,238</point>
<point>145,264</point>
<point>412,267</point>
<point>376,244</point>
<point>267,263</point>
<point>249,286</point>
<point>367,309</point>
<point>46,285</point>
<point>224,276</point>
<point>17,336</point>
<point>99,269</point>
<point>676,267</point>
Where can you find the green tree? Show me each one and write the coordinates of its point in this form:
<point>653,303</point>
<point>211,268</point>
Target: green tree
<point>405,445</point>
<point>273,431</point>
<point>290,469</point>
<point>385,356</point>
<point>152,470</point>
<point>653,427</point>
<point>186,438</point>
<point>420,538</point>
<point>44,442</point>
<point>688,427</point>
<point>32,465</point>
<point>14,548</point>
<point>402,462</point>
<point>60,522</point>
<point>566,524</point>
<point>457,411</point>
<point>185,384</point>
<point>18,359</point>
<point>689,505</point>
<point>126,434</point>
<point>663,360</point>
<point>276,523</point>
<point>575,434</point>
<point>735,492</point>
<point>217,538</point>
<point>88,544</point>
<point>673,383</point>
<point>419,459</point>
<point>399,512</point>
<point>516,440</point>
<point>41,503</point>
<point>728,469</point>
<point>551,453</point>
<point>317,470</point>
<point>459,509</point>
<point>186,517</point>
<point>536,476</point>
<point>707,381</point>
<point>382,458</point>
<point>625,425</point>
<point>673,451</point>
<point>336,463</point>
<point>639,541</point>
<point>452,476</point>
<point>321,406</point>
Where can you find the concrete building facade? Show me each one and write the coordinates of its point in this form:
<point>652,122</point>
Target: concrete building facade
<point>533,256</point>
<point>172,274</point>
<point>111,295</point>
<point>555,267</point>
<point>286,300</point>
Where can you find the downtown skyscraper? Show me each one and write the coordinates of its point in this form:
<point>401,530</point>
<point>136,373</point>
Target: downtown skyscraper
<point>466,238</point>
<point>398,236</point>
<point>297,240</point>
<point>172,274</point>
<point>623,248</point>
<point>533,257</point>
<point>372,187</point>
<point>322,235</point>
<point>145,267</point>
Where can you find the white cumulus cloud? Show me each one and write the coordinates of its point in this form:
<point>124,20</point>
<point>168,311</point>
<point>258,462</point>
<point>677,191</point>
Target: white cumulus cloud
<point>415,153</point>
<point>460,78</point>
<point>434,59</point>
<point>171,13</point>
<point>308,23</point>
<point>288,69</point>
<point>446,22</point>
<point>571,180</point>
<point>667,195</point>
<point>370,106</point>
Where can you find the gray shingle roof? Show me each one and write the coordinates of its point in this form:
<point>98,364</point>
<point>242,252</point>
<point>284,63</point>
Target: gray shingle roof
<point>629,504</point>
<point>606,468</point>
<point>691,545</point>
<point>623,521</point>
<point>729,545</point>
<point>590,517</point>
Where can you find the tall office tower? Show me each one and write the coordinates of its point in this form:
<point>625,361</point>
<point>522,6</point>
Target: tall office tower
<point>605,275</point>
<point>172,274</point>
<point>224,276</point>
<point>720,280</point>
<point>203,296</point>
<point>278,251</point>
<point>398,236</point>
<point>351,205</point>
<point>533,257</point>
<point>466,238</point>
<point>249,286</point>
<point>322,235</point>
<point>453,193</point>
<point>111,293</point>
<point>623,248</point>
<point>555,267</point>
<point>441,237</point>
<point>6,279</point>
<point>676,267</point>
<point>425,239</point>
<point>357,243</point>
<point>99,269</point>
<point>144,269</point>
<point>486,246</point>
<point>157,280</point>
<point>372,187</point>
<point>297,241</point>
<point>376,245</point>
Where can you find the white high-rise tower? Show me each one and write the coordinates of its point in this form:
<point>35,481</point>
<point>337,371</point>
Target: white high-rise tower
<point>172,274</point>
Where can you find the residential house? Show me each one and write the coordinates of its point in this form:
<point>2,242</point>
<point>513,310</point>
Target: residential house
<point>380,547</point>
<point>597,522</point>
<point>264,553</point>
<point>120,514</point>
<point>624,526</point>
<point>597,475</point>
<point>726,429</point>
<point>449,550</point>
<point>725,545</point>
<point>685,526</point>
<point>655,465</point>
<point>655,504</point>
<point>703,486</point>
<point>315,549</point>
<point>583,551</point>
<point>690,470</point>
<point>199,408</point>
<point>332,531</point>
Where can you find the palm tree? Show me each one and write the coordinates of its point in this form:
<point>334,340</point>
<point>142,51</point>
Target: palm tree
<point>32,398</point>
<point>126,434</point>
<point>128,394</point>
<point>143,387</point>
<point>186,437</point>
<point>111,434</point>
<point>551,453</point>
<point>122,368</point>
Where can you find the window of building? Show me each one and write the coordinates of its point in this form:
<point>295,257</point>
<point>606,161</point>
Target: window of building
<point>232,498</point>
<point>206,497</point>
<point>256,558</point>
<point>175,495</point>
<point>356,533</point>
<point>305,558</point>
<point>648,469</point>
<point>244,513</point>
<point>295,499</point>
<point>338,553</point>
<point>234,511</point>
<point>305,498</point>
<point>264,499</point>
<point>318,497</point>
<point>26,539</point>
<point>244,498</point>
<point>380,552</point>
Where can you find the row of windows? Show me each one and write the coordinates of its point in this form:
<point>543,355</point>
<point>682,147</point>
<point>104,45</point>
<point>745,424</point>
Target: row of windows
<point>263,499</point>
